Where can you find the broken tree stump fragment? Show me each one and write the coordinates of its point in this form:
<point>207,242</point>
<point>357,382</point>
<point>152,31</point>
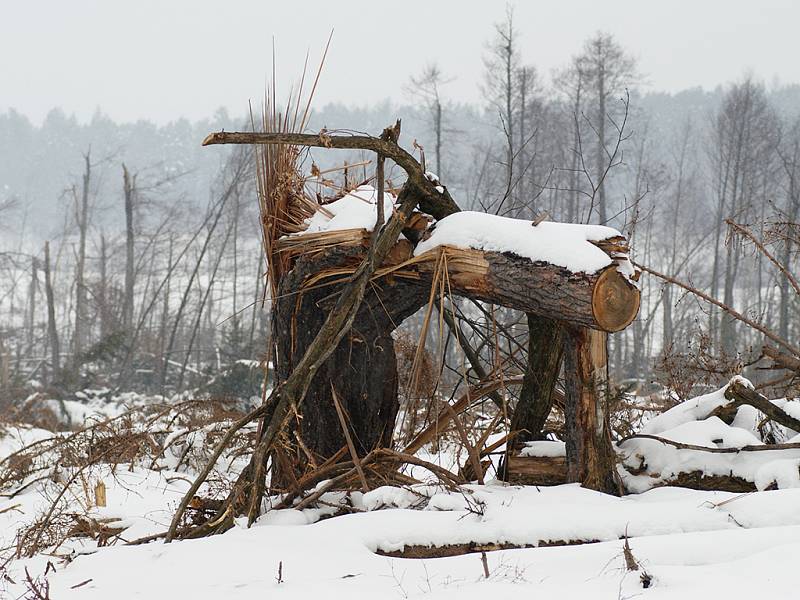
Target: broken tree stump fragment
<point>536,470</point>
<point>591,460</point>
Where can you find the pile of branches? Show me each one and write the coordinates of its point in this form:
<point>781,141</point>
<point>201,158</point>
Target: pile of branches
<point>68,468</point>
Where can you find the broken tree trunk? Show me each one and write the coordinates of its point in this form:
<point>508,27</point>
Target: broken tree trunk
<point>333,319</point>
<point>363,366</point>
<point>605,300</point>
<point>590,456</point>
<point>545,352</point>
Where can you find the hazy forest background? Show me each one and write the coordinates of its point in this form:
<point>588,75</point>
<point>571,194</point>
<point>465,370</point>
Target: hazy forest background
<point>130,257</point>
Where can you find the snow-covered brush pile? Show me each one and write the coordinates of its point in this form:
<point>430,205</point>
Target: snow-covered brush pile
<point>59,482</point>
<point>715,441</point>
<point>732,439</point>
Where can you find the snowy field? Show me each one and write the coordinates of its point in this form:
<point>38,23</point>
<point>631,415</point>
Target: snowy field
<point>692,544</point>
<point>425,541</point>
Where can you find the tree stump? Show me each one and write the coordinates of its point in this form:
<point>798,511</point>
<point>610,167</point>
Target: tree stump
<point>591,460</point>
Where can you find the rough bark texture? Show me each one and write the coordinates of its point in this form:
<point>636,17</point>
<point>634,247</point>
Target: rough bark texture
<point>590,455</point>
<point>362,369</point>
<point>545,352</point>
<point>603,300</point>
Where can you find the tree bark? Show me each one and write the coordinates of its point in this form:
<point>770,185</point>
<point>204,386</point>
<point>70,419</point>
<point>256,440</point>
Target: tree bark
<point>545,352</point>
<point>590,455</point>
<point>52,331</point>
<point>363,367</point>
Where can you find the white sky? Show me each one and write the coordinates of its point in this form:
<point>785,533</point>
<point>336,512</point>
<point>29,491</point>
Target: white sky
<point>165,59</point>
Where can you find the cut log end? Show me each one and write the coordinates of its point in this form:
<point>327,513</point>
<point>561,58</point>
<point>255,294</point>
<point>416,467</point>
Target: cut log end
<point>615,301</point>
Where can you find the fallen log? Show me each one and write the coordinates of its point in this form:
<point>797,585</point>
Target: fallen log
<point>742,394</point>
<point>606,300</point>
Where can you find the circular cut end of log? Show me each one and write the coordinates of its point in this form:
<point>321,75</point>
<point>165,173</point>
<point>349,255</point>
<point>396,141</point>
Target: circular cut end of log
<point>615,301</point>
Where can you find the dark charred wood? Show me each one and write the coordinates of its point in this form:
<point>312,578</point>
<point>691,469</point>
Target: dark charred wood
<point>362,368</point>
<point>545,353</point>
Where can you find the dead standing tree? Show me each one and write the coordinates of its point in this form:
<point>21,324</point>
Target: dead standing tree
<point>339,298</point>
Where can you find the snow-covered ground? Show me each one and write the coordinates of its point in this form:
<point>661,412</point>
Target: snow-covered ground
<point>559,542</point>
<point>693,545</point>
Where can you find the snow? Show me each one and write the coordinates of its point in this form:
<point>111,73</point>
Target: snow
<point>563,244</point>
<point>544,449</point>
<point>355,210</point>
<point>690,423</point>
<point>711,433</point>
<point>566,245</point>
<point>690,410</point>
<point>694,544</point>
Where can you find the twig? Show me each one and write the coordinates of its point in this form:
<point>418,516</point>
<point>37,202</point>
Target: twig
<point>349,440</point>
<point>749,234</point>
<point>736,315</point>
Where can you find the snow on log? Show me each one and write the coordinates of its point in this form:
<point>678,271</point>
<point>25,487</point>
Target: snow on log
<point>605,300</point>
<point>574,273</point>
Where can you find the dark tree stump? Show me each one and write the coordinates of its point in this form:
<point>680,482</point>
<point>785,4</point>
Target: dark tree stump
<point>545,352</point>
<point>362,369</point>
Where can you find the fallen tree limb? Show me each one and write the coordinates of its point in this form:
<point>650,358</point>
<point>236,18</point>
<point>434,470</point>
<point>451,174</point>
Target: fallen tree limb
<point>437,203</point>
<point>741,394</point>
<point>682,446</point>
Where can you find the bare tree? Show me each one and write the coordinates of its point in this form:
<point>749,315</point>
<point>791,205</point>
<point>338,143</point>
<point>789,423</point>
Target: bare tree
<point>500,66</point>
<point>607,69</point>
<point>52,331</point>
<point>81,207</point>
<point>789,215</point>
<point>743,139</point>
<point>427,88</point>
<point>129,193</point>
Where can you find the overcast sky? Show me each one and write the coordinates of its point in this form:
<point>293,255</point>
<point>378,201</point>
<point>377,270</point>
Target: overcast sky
<point>166,59</point>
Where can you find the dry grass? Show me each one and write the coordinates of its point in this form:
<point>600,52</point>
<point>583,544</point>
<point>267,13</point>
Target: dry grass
<point>284,202</point>
<point>66,467</point>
